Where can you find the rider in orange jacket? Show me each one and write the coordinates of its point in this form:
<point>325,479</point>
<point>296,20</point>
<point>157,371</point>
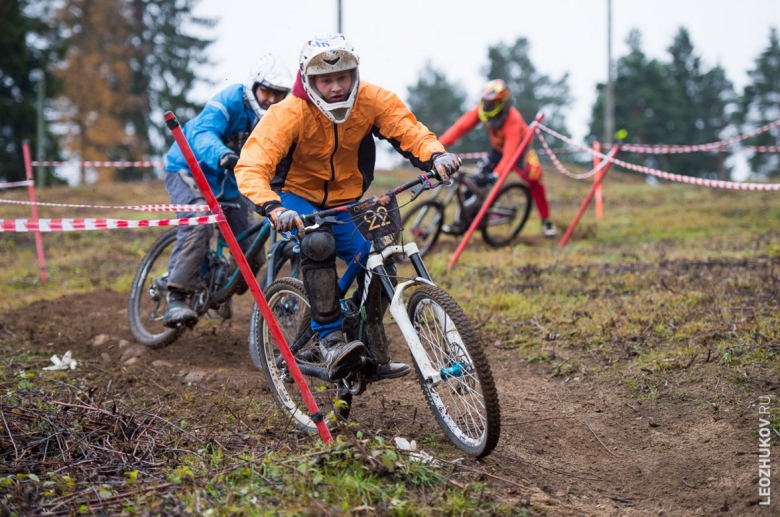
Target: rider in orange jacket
<point>315,150</point>
<point>506,128</point>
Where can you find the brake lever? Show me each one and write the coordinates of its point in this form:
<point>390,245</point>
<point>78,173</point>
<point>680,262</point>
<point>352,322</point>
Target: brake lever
<point>328,220</point>
<point>422,187</point>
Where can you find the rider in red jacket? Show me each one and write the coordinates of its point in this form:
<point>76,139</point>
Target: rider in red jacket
<point>506,128</point>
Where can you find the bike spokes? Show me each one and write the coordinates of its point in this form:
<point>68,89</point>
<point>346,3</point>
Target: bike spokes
<point>465,401</point>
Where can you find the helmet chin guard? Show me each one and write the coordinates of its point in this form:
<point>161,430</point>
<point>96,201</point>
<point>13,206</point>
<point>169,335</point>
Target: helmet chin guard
<point>269,72</point>
<point>327,54</point>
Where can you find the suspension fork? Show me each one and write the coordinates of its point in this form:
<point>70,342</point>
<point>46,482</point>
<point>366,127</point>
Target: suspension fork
<point>398,306</point>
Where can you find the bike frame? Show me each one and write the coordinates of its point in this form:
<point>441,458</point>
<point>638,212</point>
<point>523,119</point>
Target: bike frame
<point>375,265</point>
<point>262,228</point>
<point>376,262</point>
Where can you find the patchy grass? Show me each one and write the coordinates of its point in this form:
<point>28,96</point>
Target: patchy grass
<point>675,291</point>
<point>74,444</point>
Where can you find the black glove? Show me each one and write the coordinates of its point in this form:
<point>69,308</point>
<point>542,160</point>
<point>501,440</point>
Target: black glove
<point>445,165</point>
<point>228,160</point>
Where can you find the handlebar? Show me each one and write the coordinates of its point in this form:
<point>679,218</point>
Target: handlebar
<point>418,185</point>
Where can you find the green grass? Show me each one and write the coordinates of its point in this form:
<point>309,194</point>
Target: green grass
<point>676,285</point>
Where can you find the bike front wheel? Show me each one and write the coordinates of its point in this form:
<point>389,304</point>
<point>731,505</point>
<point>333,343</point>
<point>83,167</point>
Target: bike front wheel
<point>290,306</point>
<point>507,215</point>
<point>422,225</point>
<point>465,402</point>
<point>148,296</point>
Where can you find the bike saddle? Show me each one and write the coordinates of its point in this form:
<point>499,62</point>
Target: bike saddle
<point>230,206</point>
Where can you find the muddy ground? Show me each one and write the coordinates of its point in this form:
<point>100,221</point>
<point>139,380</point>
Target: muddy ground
<point>578,444</point>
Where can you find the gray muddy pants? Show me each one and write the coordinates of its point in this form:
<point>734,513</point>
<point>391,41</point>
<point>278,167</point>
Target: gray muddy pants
<point>193,241</point>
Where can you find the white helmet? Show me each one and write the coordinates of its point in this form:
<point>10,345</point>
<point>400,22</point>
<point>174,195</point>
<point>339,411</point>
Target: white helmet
<point>324,55</point>
<point>269,72</point>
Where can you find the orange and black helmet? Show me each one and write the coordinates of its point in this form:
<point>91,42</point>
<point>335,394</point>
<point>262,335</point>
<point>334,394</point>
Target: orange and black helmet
<point>495,97</point>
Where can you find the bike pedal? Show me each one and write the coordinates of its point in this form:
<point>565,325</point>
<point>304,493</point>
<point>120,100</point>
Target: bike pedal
<point>344,370</point>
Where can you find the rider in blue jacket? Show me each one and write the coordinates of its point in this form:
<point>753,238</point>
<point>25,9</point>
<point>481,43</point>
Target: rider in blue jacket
<point>216,136</point>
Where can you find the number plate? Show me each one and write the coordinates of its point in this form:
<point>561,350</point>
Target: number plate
<point>375,220</point>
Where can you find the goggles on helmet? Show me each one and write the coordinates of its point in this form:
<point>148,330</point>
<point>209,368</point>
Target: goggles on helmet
<point>270,93</point>
<point>272,77</point>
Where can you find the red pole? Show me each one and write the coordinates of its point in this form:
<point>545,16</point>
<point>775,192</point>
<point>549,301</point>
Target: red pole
<point>529,136</point>
<point>596,184</point>
<point>238,255</point>
<point>596,162</point>
<point>34,208</point>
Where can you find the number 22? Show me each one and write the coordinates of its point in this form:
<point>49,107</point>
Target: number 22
<point>371,218</point>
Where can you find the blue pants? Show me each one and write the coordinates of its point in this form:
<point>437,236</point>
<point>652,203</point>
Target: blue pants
<point>349,244</point>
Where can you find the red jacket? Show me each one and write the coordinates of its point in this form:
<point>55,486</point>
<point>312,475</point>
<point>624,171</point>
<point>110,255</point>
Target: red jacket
<point>505,139</point>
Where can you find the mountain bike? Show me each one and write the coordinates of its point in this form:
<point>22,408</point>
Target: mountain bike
<point>451,365</point>
<point>504,220</point>
<point>218,281</point>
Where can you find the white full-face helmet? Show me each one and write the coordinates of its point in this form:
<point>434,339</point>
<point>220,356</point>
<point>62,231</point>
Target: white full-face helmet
<point>324,55</point>
<point>269,73</point>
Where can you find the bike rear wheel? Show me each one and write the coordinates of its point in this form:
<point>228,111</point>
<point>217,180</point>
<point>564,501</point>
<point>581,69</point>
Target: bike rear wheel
<point>507,215</point>
<point>465,402</point>
<point>290,306</point>
<point>422,225</point>
<point>148,296</point>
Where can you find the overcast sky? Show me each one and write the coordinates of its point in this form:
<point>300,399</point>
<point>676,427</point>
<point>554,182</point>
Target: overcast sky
<point>395,38</point>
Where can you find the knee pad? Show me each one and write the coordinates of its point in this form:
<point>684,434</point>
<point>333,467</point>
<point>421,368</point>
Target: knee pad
<point>319,246</point>
<point>318,265</point>
<point>531,166</point>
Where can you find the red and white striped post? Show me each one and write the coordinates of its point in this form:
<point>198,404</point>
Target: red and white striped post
<point>246,271</point>
<point>31,190</point>
<point>529,136</point>
<point>596,184</point>
<point>596,162</point>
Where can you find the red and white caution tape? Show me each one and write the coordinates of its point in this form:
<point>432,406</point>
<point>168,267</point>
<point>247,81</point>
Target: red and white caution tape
<point>139,208</point>
<point>25,183</point>
<point>100,164</point>
<point>714,146</point>
<point>667,175</point>
<point>72,225</point>
<point>697,181</point>
<point>563,170</point>
<point>477,156</point>
<point>760,148</point>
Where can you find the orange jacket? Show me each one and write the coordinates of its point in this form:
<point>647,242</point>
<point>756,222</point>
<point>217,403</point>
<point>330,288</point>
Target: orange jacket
<point>295,148</point>
<point>505,139</point>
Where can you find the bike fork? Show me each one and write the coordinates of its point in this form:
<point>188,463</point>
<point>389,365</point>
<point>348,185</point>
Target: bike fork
<point>398,309</point>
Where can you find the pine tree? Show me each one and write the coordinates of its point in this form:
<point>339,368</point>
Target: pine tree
<point>96,76</point>
<point>532,91</point>
<point>438,103</point>
<point>27,42</point>
<point>647,103</point>
<point>706,97</point>
<point>164,57</point>
<point>129,60</point>
<point>760,105</point>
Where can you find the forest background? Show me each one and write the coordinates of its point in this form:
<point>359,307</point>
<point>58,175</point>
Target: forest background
<point>112,67</point>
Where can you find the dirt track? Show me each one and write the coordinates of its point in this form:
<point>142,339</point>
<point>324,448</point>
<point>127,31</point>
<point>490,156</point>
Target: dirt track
<point>580,443</point>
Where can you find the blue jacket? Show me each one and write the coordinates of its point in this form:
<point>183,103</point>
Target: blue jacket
<point>223,116</point>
